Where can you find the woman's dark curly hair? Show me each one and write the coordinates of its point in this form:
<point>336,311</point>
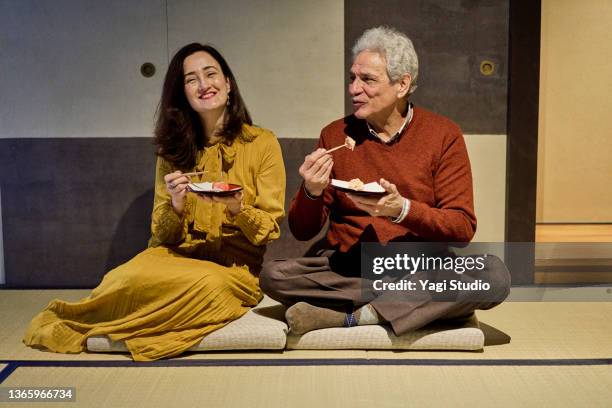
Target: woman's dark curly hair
<point>178,130</point>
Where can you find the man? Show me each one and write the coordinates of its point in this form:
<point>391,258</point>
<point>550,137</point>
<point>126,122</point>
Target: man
<point>420,160</point>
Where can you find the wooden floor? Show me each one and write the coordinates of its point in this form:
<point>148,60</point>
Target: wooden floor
<point>573,253</point>
<point>574,233</point>
<point>560,355</point>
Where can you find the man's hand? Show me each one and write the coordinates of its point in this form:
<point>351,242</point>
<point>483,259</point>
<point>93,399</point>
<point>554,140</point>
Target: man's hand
<point>389,205</point>
<point>315,170</point>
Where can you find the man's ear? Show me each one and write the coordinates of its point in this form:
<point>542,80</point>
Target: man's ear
<point>404,85</point>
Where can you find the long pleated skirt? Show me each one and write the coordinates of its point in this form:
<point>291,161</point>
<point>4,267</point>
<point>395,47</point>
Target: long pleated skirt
<point>160,303</point>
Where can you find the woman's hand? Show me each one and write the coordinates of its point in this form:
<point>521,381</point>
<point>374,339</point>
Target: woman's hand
<point>389,205</point>
<point>232,202</point>
<point>315,170</point>
<point>176,184</point>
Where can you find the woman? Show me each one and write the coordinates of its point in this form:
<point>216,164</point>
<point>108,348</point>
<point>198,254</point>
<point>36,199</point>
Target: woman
<point>199,272</point>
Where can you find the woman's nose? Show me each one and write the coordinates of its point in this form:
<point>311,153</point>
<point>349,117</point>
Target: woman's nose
<point>203,84</point>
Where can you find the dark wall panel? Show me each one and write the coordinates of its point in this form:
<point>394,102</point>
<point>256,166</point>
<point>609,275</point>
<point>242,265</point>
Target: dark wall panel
<point>522,146</point>
<point>452,38</point>
<point>72,209</point>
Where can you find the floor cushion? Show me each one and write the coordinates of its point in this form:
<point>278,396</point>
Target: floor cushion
<point>261,328</point>
<point>445,335</point>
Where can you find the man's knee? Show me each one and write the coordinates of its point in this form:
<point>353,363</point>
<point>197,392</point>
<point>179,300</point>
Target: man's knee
<point>271,278</point>
<point>498,277</point>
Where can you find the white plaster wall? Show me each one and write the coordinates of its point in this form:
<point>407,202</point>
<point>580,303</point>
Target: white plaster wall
<point>287,55</point>
<point>71,68</point>
<point>488,159</point>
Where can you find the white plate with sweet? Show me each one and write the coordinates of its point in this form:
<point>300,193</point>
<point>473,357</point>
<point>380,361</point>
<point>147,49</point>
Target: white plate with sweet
<point>358,187</point>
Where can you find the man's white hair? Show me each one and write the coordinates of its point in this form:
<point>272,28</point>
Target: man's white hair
<point>395,47</point>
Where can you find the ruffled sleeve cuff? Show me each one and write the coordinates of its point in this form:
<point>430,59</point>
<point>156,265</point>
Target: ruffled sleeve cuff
<point>257,225</point>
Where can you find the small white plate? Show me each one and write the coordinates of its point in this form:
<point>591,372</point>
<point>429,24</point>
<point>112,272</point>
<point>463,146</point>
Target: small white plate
<point>370,189</point>
<point>217,188</point>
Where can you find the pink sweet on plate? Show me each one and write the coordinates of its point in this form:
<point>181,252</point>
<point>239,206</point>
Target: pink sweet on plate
<point>221,186</point>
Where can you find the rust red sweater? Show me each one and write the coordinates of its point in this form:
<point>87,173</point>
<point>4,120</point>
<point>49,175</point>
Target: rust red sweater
<point>429,165</point>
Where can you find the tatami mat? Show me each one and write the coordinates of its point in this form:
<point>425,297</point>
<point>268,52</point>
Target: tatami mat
<point>539,330</point>
<point>356,386</point>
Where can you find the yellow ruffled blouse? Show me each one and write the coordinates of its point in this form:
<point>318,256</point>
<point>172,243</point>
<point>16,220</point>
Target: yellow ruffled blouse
<point>206,230</point>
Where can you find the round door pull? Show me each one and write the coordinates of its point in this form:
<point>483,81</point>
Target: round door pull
<point>147,70</point>
<point>487,68</point>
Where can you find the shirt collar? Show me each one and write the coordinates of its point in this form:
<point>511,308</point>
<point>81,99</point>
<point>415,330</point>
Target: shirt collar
<point>401,129</point>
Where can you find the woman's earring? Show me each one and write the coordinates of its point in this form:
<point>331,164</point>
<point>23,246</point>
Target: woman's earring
<point>228,99</point>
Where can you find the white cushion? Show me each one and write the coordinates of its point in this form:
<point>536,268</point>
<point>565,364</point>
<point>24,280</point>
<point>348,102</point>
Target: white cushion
<point>261,328</point>
<point>465,335</point>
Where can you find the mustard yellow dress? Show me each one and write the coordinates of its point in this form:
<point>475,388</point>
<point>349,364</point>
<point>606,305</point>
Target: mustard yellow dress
<point>199,272</point>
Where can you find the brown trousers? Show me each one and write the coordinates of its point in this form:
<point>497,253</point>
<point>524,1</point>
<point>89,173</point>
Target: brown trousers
<point>333,280</point>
